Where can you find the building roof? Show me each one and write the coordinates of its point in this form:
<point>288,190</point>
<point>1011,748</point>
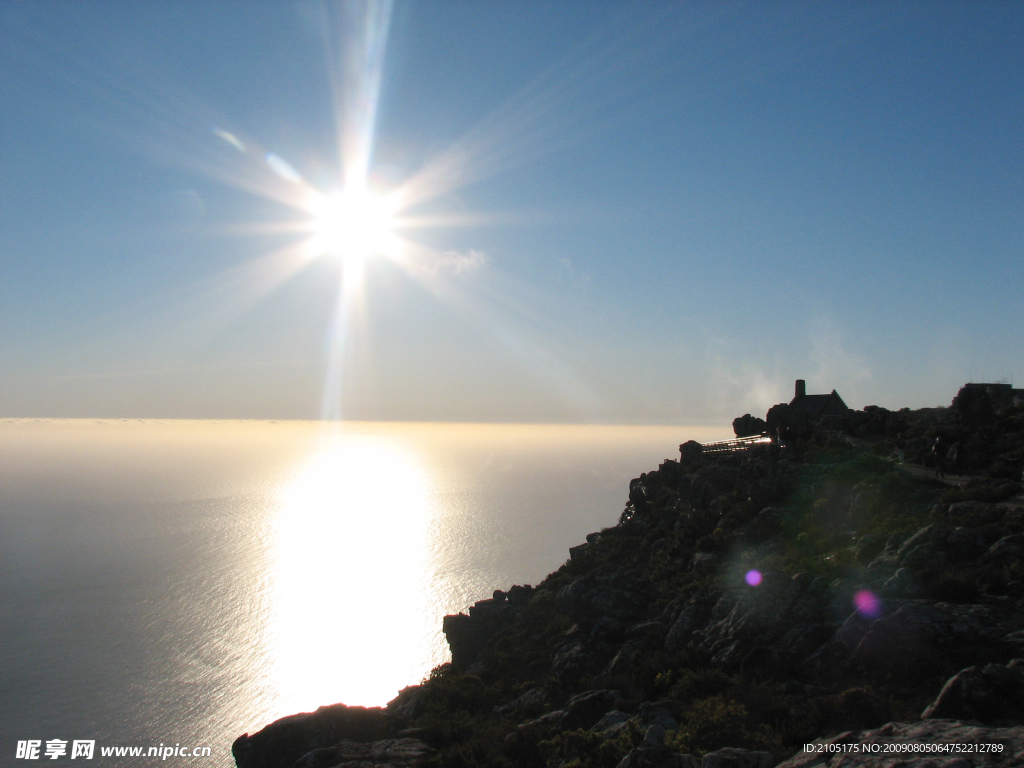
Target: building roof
<point>819,405</point>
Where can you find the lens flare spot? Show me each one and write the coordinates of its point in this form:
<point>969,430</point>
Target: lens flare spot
<point>867,603</point>
<point>753,577</point>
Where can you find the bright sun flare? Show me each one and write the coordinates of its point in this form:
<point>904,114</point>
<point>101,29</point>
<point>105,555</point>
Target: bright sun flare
<point>354,225</point>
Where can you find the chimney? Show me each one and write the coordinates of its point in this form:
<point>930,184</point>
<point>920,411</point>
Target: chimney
<point>801,388</point>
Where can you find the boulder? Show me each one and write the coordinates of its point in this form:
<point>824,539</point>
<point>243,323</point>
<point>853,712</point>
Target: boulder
<point>733,757</point>
<point>914,635</point>
<point>991,694</point>
<point>585,709</point>
<point>653,753</point>
<point>1007,550</point>
<point>607,724</point>
<point>284,741</point>
<point>901,584</point>
<point>655,713</point>
<point>408,703</point>
<point>778,620</point>
<point>748,426</point>
<point>543,725</point>
<point>965,543</point>
<point>519,594</point>
<point>575,552</point>
<point>468,635</point>
<point>529,703</point>
<point>690,452</point>
<point>388,753</point>
<point>612,602</point>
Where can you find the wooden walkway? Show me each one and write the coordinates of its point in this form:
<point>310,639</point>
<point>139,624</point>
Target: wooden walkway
<point>736,444</point>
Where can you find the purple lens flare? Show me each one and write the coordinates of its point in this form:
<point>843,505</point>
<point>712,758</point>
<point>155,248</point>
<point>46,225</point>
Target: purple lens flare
<point>867,603</point>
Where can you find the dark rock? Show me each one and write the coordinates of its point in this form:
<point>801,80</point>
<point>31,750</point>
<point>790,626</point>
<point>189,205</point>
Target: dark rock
<point>748,426</point>
<point>575,552</point>
<point>654,714</point>
<point>408,703</point>
<point>653,753</point>
<point>519,595</point>
<point>648,634</point>
<point>766,523</point>
<point>284,741</point>
<point>465,638</point>
<point>974,513</point>
<point>529,703</point>
<point>704,561</point>
<point>919,635</point>
<point>389,753</point>
<point>542,726</point>
<point>610,720</point>
<point>930,534</point>
<point>964,543</point>
<point>579,658</point>
<point>627,658</point>
<point>610,601</point>
<point>1007,550</point>
<point>924,557</point>
<point>733,757</point>
<point>488,609</point>
<point>753,621</point>
<point>585,709</point>
<point>638,494</point>
<point>901,584</point>
<point>868,547</point>
<point>991,694</point>
<point>690,452</point>
<point>692,616</point>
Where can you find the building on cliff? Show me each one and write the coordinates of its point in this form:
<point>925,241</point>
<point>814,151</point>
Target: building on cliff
<point>816,406</point>
<point>797,418</point>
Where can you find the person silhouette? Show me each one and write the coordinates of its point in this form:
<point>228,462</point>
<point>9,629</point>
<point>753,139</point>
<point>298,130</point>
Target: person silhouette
<point>939,454</point>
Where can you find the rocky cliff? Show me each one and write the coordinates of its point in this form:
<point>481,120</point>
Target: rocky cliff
<point>746,605</point>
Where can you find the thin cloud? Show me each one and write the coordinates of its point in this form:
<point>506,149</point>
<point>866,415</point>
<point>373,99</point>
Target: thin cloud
<point>460,263</point>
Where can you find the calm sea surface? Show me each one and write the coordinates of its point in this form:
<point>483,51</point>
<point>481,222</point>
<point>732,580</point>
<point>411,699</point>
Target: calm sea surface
<point>188,581</point>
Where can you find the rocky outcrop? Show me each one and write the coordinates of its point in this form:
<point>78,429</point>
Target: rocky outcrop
<point>283,742</point>
<point>748,426</point>
<point>744,601</point>
<point>781,620</point>
<point>926,744</point>
<point>990,694</point>
<point>652,753</point>
<point>918,637</point>
<point>388,753</point>
<point>731,757</point>
<point>469,635</point>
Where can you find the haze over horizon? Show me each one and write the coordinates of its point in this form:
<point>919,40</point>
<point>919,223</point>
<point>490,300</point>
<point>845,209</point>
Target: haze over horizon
<point>529,212</point>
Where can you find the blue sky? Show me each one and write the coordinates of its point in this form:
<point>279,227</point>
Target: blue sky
<point>649,213</point>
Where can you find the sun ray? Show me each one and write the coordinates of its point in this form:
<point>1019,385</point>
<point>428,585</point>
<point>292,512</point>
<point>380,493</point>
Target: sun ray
<point>539,358</point>
<point>354,221</point>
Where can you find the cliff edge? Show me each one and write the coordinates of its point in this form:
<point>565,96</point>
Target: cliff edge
<point>804,600</point>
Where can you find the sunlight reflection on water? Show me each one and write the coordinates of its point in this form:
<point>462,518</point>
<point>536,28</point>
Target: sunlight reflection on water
<point>339,597</point>
<point>196,580</point>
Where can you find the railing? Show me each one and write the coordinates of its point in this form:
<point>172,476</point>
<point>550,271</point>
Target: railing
<point>736,444</point>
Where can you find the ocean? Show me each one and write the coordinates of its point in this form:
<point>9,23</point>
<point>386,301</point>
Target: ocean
<point>172,582</point>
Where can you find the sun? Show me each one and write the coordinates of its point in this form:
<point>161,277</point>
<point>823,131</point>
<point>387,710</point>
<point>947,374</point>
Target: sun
<point>354,225</point>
